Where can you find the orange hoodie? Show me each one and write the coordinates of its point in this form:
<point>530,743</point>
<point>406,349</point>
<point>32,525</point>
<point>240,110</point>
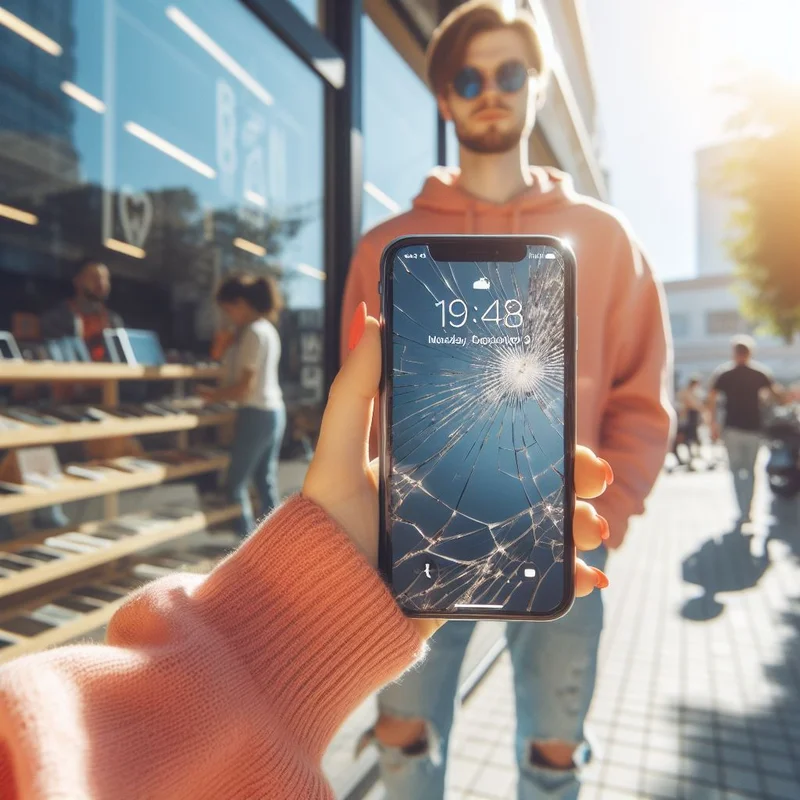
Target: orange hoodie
<point>624,348</point>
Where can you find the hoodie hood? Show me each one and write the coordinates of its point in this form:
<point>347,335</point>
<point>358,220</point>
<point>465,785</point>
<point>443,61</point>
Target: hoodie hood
<point>441,194</point>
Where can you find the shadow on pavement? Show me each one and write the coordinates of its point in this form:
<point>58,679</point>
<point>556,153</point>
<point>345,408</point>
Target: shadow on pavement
<point>785,523</point>
<point>724,564</point>
<point>755,754</point>
<point>736,561</point>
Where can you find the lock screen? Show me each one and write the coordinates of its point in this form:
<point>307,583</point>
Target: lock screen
<point>476,433</point>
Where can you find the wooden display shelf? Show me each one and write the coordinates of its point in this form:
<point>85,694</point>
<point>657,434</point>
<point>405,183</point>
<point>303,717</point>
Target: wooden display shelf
<point>30,435</point>
<point>23,371</point>
<point>63,633</point>
<point>80,625</point>
<point>70,488</point>
<point>73,564</point>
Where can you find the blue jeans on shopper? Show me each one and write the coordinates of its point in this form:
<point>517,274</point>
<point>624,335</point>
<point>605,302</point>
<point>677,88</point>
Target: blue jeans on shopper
<point>257,438</point>
<point>554,673</point>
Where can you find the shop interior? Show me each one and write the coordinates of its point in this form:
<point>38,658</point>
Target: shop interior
<point>132,140</point>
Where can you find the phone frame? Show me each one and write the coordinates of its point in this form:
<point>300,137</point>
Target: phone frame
<point>493,246</point>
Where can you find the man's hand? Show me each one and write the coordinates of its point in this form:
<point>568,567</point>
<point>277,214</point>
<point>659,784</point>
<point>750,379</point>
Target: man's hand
<point>715,431</point>
<point>207,393</point>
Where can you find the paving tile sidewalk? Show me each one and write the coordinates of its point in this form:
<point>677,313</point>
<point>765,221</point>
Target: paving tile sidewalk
<point>698,692</point>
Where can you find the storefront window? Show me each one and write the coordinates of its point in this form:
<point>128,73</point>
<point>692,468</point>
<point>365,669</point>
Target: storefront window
<point>399,129</point>
<point>308,8</point>
<point>451,145</point>
<point>175,141</point>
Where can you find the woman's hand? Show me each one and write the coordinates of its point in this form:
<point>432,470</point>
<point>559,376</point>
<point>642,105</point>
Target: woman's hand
<point>223,339</point>
<point>207,393</point>
<point>342,480</point>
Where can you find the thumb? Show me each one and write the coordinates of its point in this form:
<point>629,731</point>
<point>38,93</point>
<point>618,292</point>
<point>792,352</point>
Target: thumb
<point>344,433</point>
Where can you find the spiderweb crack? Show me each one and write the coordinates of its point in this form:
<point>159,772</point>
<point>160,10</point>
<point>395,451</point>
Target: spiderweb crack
<point>477,432</point>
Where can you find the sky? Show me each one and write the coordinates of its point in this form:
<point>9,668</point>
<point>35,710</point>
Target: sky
<point>659,66</point>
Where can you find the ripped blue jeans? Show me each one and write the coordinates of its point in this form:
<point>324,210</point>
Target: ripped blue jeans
<point>554,673</point>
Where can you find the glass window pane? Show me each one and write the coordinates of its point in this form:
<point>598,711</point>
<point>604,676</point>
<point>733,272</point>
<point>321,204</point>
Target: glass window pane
<point>175,141</point>
<point>399,129</point>
<point>451,144</point>
<point>308,8</point>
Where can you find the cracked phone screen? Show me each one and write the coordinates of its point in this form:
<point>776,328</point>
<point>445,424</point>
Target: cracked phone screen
<point>476,434</point>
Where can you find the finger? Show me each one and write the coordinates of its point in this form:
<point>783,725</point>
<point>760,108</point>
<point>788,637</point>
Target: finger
<point>589,529</point>
<point>592,473</point>
<point>344,432</point>
<point>374,471</point>
<point>427,627</point>
<point>587,578</point>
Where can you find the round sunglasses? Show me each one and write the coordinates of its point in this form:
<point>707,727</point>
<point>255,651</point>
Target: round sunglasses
<point>509,78</point>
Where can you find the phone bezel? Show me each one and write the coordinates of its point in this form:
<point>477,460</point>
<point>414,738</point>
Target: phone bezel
<point>482,245</point>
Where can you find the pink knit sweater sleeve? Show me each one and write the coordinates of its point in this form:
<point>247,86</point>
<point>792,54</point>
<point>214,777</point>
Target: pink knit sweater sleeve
<point>229,685</point>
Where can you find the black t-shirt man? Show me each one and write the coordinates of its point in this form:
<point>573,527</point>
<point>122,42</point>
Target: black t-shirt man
<point>742,384</point>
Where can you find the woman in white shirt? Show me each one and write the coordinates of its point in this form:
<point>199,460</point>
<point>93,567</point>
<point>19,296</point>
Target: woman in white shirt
<point>252,304</point>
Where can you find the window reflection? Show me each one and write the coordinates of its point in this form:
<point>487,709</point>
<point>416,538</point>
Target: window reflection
<point>308,8</point>
<point>399,129</point>
<point>451,145</point>
<point>176,141</point>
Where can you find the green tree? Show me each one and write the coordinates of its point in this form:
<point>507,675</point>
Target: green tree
<point>763,175</point>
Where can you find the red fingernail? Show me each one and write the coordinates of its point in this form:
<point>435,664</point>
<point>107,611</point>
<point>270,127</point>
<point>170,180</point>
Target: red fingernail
<point>605,529</point>
<point>357,326</point>
<point>600,578</point>
<point>609,471</point>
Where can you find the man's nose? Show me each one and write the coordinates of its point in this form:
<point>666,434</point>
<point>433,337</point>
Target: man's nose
<point>490,86</point>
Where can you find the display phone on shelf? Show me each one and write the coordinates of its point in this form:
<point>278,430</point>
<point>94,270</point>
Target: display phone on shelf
<point>9,350</point>
<point>478,426</point>
<point>129,346</point>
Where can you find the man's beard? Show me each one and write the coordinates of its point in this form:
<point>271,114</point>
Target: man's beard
<point>89,301</point>
<point>491,141</point>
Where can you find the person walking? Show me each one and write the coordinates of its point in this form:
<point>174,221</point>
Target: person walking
<point>690,413</point>
<point>488,69</point>
<point>252,305</point>
<point>742,383</point>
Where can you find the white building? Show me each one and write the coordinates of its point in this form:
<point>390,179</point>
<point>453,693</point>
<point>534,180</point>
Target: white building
<point>704,311</point>
<point>714,209</point>
<point>704,315</point>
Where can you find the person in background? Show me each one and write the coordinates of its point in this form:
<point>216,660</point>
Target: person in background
<point>742,383</point>
<point>231,685</point>
<point>85,315</point>
<point>252,305</point>
<point>488,68</point>
<point>690,413</point>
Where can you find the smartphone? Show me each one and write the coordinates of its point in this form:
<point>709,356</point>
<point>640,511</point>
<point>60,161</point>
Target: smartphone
<point>15,565</point>
<point>25,625</point>
<point>478,426</point>
<point>103,593</point>
<point>75,602</point>
<point>40,554</point>
<point>69,546</point>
